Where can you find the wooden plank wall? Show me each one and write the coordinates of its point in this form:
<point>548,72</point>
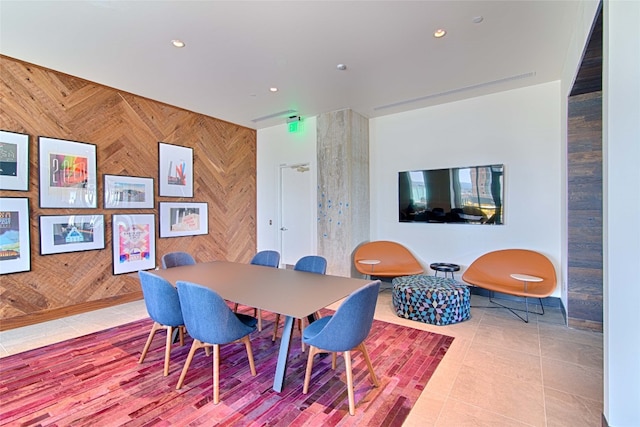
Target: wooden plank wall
<point>585,262</point>
<point>126,130</point>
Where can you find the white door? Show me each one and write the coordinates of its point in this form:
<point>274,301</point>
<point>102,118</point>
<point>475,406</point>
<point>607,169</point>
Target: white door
<point>297,213</point>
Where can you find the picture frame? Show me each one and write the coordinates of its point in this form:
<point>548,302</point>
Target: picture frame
<point>134,242</point>
<point>68,174</point>
<point>128,192</point>
<point>71,233</point>
<point>14,161</point>
<point>175,171</point>
<point>15,243</point>
<point>183,219</point>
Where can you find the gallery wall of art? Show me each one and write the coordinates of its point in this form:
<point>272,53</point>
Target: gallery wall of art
<point>97,184</point>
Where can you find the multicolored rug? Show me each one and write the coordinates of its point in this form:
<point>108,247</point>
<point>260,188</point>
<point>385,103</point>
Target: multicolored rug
<point>96,380</point>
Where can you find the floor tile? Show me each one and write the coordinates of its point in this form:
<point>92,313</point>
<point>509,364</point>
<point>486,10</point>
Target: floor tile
<point>567,410</point>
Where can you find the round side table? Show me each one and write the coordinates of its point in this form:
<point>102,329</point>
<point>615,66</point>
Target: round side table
<point>444,268</point>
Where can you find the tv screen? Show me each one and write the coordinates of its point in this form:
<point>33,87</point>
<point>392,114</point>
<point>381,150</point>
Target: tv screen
<point>472,195</point>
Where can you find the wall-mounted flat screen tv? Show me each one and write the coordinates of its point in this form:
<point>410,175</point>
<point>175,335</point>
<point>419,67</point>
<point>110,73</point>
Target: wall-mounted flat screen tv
<point>472,195</point>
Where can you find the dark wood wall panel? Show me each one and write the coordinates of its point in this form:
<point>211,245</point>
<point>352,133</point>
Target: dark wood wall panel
<point>126,130</point>
<point>585,288</point>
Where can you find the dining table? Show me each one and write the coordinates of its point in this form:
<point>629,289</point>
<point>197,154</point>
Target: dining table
<point>290,293</point>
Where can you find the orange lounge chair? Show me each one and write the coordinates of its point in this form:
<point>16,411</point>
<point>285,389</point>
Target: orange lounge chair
<point>493,270</point>
<point>385,259</point>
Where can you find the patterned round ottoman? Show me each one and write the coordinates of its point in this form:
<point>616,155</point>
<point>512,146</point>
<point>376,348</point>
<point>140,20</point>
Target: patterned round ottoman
<point>431,299</point>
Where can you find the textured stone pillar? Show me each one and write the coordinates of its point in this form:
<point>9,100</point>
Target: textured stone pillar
<point>343,187</point>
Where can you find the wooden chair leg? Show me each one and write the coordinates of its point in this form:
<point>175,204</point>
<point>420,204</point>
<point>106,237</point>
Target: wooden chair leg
<point>347,365</point>
<point>167,350</point>
<point>301,328</point>
<point>216,373</point>
<point>334,360</point>
<point>247,344</point>
<point>235,308</point>
<point>196,345</point>
<point>275,327</point>
<point>307,375</point>
<point>154,328</point>
<point>259,316</point>
<point>181,331</point>
<point>374,379</point>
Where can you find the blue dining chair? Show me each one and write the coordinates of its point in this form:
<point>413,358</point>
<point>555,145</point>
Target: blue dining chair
<point>211,323</point>
<point>345,331</point>
<point>176,259</point>
<point>163,306</point>
<point>268,259</point>
<point>311,264</point>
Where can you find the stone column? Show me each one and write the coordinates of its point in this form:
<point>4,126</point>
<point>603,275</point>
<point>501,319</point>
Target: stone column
<point>343,188</point>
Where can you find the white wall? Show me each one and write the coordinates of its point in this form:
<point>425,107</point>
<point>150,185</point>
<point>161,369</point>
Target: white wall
<point>277,146</point>
<point>621,150</point>
<point>519,128</point>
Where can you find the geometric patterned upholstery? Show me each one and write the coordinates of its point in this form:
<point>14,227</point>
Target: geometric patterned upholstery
<point>431,299</point>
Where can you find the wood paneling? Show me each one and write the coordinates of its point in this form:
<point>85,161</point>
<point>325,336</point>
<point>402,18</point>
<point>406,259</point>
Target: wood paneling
<point>584,187</point>
<point>126,130</point>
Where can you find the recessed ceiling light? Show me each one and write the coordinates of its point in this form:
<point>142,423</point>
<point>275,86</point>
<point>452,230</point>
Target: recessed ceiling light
<point>477,19</point>
<point>273,89</point>
<point>439,33</point>
<point>341,67</point>
<point>178,43</point>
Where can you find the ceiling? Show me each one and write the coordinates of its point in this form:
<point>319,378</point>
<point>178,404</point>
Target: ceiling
<point>237,50</point>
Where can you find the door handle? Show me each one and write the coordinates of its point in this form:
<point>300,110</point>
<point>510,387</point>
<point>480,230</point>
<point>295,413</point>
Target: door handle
<point>284,229</point>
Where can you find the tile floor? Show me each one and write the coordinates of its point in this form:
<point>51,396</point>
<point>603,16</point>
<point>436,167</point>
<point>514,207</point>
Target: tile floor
<point>499,370</point>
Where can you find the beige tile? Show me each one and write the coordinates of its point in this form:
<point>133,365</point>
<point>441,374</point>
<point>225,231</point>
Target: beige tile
<point>572,379</point>
<point>565,333</point>
<point>509,397</point>
<point>512,363</point>
<point>459,414</point>
<point>426,410</point>
<point>443,378</point>
<point>567,410</point>
<point>510,337</point>
<point>572,352</point>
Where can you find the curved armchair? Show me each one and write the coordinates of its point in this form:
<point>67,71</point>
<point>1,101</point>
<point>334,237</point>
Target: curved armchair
<point>163,306</point>
<point>345,331</point>
<point>211,322</point>
<point>383,258</point>
<point>311,264</point>
<point>176,259</point>
<point>267,259</point>
<point>493,270</point>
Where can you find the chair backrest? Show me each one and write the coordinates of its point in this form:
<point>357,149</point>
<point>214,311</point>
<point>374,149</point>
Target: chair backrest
<point>312,264</point>
<point>207,316</point>
<point>176,259</point>
<point>267,258</point>
<point>161,299</point>
<point>352,321</point>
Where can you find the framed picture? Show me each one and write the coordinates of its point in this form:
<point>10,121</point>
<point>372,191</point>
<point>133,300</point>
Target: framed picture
<point>67,174</point>
<point>176,170</point>
<point>183,219</point>
<point>14,161</point>
<point>128,192</point>
<point>71,233</point>
<point>134,242</point>
<point>15,248</point>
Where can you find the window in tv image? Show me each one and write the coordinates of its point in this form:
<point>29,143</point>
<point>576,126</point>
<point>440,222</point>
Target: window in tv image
<point>471,195</point>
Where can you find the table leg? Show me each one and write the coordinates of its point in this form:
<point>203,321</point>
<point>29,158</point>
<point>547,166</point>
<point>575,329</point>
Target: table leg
<point>283,354</point>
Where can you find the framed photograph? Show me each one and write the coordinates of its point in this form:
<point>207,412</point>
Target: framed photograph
<point>71,233</point>
<point>67,174</point>
<point>183,219</point>
<point>128,192</point>
<point>134,242</point>
<point>176,170</point>
<point>14,161</point>
<point>15,248</point>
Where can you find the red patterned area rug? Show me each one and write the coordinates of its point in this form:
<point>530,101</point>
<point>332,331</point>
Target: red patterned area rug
<point>96,380</point>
